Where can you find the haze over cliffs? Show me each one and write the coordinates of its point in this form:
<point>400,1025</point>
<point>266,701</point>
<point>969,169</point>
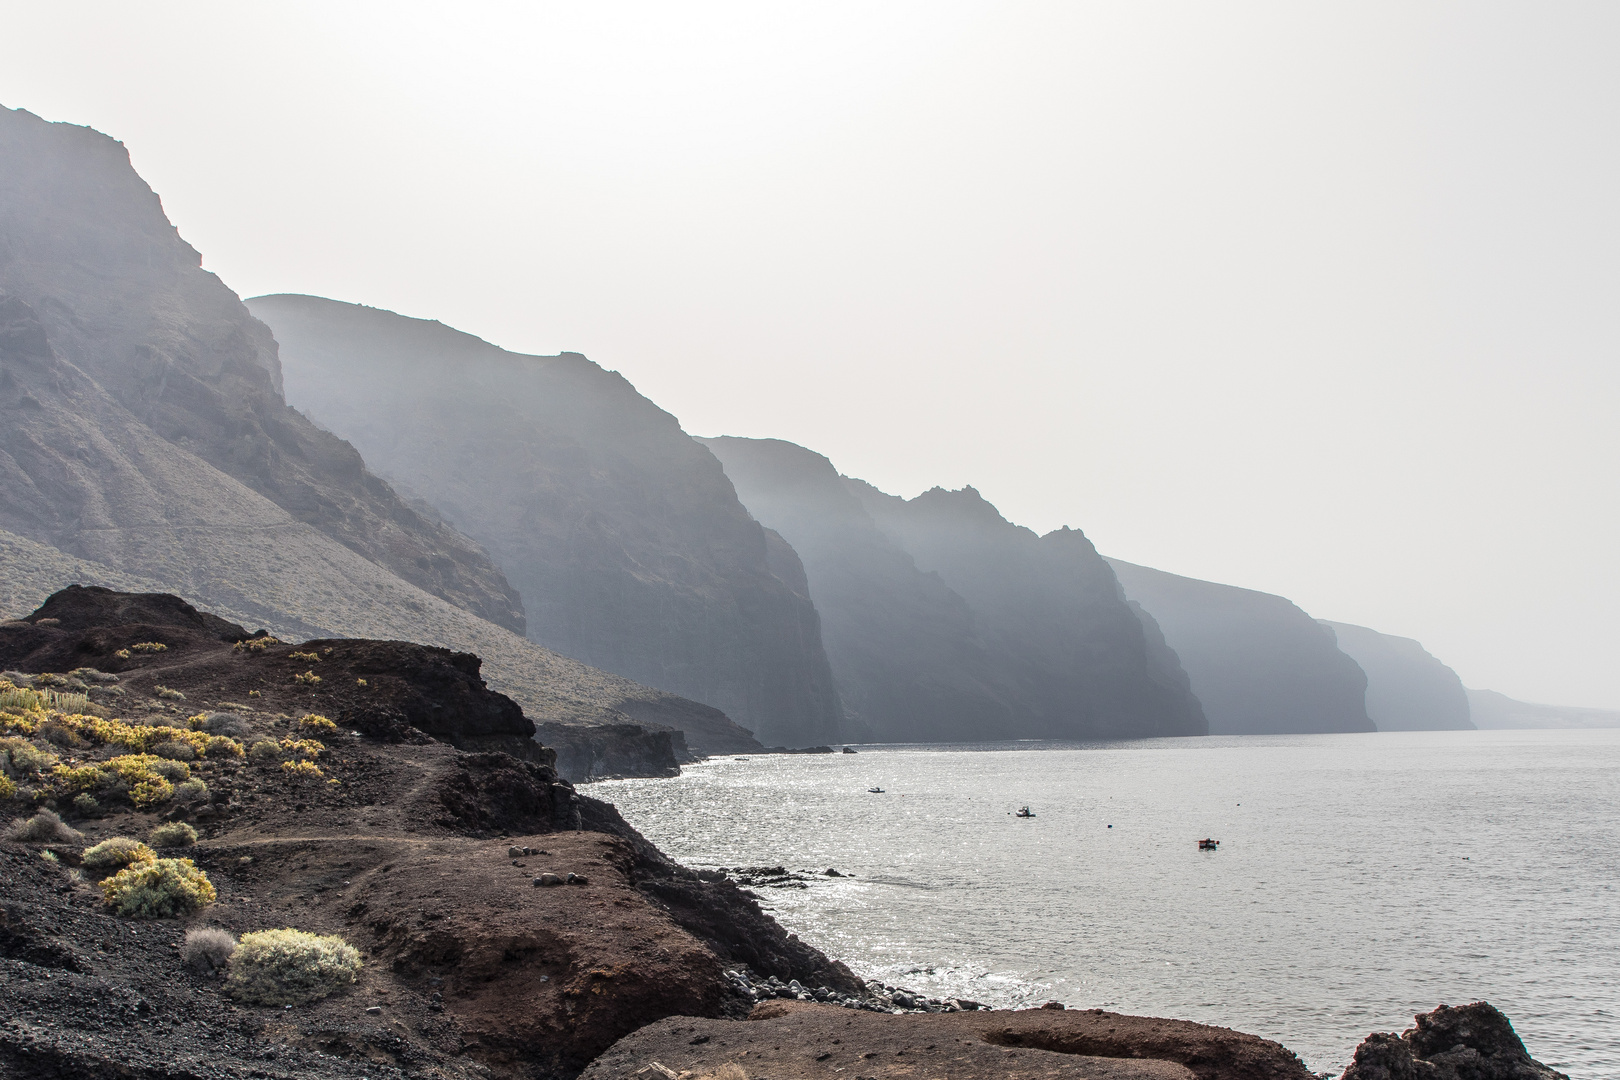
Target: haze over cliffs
<point>622,533</point>
<point>147,441</point>
<point>1259,664</point>
<point>1408,689</point>
<point>1036,644</point>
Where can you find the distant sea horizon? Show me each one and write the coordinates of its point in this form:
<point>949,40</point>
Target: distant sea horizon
<point>1360,879</point>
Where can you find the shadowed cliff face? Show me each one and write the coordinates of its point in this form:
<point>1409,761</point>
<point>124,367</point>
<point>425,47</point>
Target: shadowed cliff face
<point>1259,664</point>
<point>1050,606</point>
<point>1408,689</point>
<point>123,299</point>
<point>945,622</point>
<point>626,540</point>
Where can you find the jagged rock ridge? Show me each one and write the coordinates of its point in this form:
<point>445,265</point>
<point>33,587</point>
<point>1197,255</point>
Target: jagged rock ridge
<point>1259,664</point>
<point>628,544</point>
<point>944,622</point>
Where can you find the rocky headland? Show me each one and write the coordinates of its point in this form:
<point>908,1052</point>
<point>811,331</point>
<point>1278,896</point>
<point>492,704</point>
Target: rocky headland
<point>1258,663</point>
<point>1408,688</point>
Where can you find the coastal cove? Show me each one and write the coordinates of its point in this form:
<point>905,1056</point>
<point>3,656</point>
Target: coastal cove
<point>1360,878</point>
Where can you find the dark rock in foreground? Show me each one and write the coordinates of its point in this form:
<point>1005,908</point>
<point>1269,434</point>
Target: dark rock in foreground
<point>1464,1042</point>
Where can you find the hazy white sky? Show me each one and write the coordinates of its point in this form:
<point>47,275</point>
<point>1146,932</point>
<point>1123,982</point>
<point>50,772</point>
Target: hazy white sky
<point>1322,299</point>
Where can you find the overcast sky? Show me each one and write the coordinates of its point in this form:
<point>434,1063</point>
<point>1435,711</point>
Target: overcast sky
<point>1321,299</point>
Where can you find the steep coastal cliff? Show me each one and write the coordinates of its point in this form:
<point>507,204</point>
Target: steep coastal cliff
<point>1408,689</point>
<point>125,302</point>
<point>945,622</point>
<point>1259,664</point>
<point>626,541</point>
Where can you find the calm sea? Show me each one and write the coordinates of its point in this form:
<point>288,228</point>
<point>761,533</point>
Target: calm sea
<point>1360,878</point>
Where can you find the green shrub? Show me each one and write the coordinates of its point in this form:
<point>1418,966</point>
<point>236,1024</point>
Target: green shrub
<point>158,890</point>
<point>111,856</point>
<point>43,828</point>
<point>265,752</point>
<point>317,724</point>
<point>174,834</point>
<point>191,791</point>
<point>289,967</point>
<point>207,948</point>
<point>85,805</point>
<point>19,757</point>
<point>175,751</point>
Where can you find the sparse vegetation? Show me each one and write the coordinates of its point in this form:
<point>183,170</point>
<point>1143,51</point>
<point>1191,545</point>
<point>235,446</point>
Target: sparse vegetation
<point>142,778</point>
<point>20,758</point>
<point>170,694</point>
<point>158,890</point>
<point>304,748</point>
<point>221,723</point>
<point>91,675</point>
<point>290,967</point>
<point>304,657</point>
<point>255,645</point>
<point>171,770</point>
<point>265,752</point>
<point>308,678</point>
<point>207,948</point>
<point>317,724</point>
<point>55,731</point>
<point>86,805</point>
<point>112,855</point>
<point>43,828</point>
<point>174,834</point>
<point>149,647</point>
<point>122,654</point>
<point>303,770</point>
<point>191,791</point>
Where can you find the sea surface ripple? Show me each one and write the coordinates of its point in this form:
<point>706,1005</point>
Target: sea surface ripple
<point>1360,878</point>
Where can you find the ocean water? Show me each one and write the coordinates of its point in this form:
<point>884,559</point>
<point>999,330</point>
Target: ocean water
<point>1360,878</point>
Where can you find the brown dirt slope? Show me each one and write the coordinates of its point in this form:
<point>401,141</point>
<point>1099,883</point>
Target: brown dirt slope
<point>808,1040</point>
<point>401,845</point>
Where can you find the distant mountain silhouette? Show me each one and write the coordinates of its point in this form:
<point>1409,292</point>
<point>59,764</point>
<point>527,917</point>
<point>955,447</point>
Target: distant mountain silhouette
<point>1035,642</point>
<point>1407,688</point>
<point>146,445</point>
<point>622,533</point>
<point>1490,709</point>
<point>1257,662</point>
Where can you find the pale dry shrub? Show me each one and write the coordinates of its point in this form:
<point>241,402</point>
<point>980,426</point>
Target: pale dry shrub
<point>19,757</point>
<point>191,791</point>
<point>290,967</point>
<point>224,723</point>
<point>43,828</point>
<point>173,771</point>
<point>265,752</point>
<point>85,805</point>
<point>158,890</point>
<point>113,854</point>
<point>174,834</point>
<point>175,750</point>
<point>207,948</point>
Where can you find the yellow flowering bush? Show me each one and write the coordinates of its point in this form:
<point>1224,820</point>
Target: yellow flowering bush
<point>320,725</point>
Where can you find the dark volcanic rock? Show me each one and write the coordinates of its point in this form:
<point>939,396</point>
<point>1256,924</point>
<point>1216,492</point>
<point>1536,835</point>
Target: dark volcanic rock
<point>1259,665</point>
<point>1408,689</point>
<point>1465,1042</point>
<point>628,544</point>
<point>469,971</point>
<point>114,292</point>
<point>803,1039</point>
<point>944,621</point>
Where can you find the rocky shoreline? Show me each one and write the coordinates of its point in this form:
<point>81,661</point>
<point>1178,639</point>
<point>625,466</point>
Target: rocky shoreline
<point>391,800</point>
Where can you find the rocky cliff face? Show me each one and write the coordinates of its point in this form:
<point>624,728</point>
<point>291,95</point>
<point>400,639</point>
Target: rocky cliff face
<point>628,544</point>
<point>918,658</point>
<point>89,491</point>
<point>1259,664</point>
<point>1408,689</point>
<point>1051,607</point>
<point>124,301</point>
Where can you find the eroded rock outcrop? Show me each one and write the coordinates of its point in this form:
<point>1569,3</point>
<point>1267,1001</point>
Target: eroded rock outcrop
<point>1464,1042</point>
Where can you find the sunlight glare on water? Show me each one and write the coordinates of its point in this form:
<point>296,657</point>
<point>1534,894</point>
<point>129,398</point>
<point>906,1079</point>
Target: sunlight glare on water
<point>1360,878</point>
